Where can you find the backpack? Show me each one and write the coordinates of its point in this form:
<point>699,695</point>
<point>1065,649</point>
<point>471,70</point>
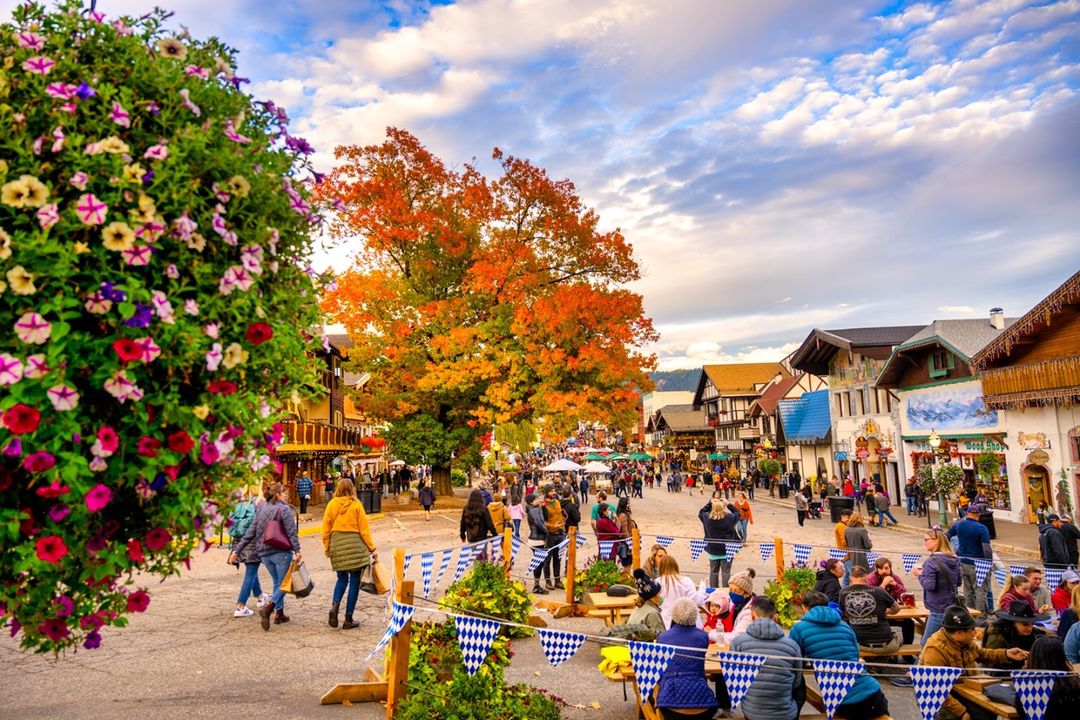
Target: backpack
<point>242,516</point>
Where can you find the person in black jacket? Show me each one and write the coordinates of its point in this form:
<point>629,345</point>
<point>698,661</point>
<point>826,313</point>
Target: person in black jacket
<point>536,514</point>
<point>720,523</point>
<point>476,523</point>
<point>1052,545</point>
<point>1072,534</point>
<point>828,579</point>
<point>570,507</point>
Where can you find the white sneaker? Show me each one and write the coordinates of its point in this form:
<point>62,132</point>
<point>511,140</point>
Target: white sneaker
<point>262,600</point>
<point>243,612</point>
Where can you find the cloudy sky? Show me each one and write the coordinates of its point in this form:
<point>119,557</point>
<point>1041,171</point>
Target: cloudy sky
<point>777,165</point>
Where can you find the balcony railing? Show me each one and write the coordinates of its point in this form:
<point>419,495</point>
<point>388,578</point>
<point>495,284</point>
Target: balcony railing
<point>316,435</point>
<point>749,433</point>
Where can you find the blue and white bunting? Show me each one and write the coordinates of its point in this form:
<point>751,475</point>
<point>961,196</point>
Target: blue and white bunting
<point>444,563</point>
<point>1052,576</point>
<point>466,556</point>
<point>740,670</point>
<point>605,548</point>
<point>408,562</point>
<point>802,553</point>
<point>837,553</point>
<point>559,646</point>
<point>399,615</point>
<point>664,541</point>
<point>910,560</point>
<point>650,660</point>
<point>835,678</point>
<point>515,545</point>
<point>1033,688</point>
<point>696,548</point>
<point>475,636</point>
<point>1018,569</point>
<point>982,568</point>
<point>427,561</point>
<point>579,540</point>
<point>1001,575</point>
<point>538,558</point>
<point>932,685</point>
<point>766,550</point>
<point>871,557</point>
<point>733,549</point>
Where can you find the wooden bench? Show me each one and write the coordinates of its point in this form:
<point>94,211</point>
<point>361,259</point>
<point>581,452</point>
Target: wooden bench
<point>606,614</point>
<point>913,650</point>
<point>972,691</point>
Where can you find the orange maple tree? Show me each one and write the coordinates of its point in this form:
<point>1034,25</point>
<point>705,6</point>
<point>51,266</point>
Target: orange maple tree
<point>476,300</point>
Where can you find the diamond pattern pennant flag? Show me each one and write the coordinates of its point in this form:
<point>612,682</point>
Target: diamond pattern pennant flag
<point>399,615</point>
<point>696,548</point>
<point>932,685</point>
<point>871,557</point>
<point>466,556</point>
<point>739,671</point>
<point>605,548</point>
<point>1018,569</point>
<point>650,660</point>
<point>664,541</point>
<point>538,558</point>
<point>427,561</point>
<point>733,549</point>
<point>444,563</point>
<point>408,562</point>
<point>766,549</point>
<point>837,553</point>
<point>559,646</point>
<point>1052,576</point>
<point>982,567</point>
<point>1001,575</point>
<point>802,553</point>
<point>580,540</point>
<point>515,545</point>
<point>475,636</point>
<point>1033,688</point>
<point>910,560</point>
<point>835,678</point>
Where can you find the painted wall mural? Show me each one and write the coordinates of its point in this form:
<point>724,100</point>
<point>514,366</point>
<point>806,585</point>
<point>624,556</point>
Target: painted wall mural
<point>949,409</point>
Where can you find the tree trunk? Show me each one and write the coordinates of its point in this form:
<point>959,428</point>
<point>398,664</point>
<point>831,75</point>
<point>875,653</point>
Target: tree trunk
<point>440,478</point>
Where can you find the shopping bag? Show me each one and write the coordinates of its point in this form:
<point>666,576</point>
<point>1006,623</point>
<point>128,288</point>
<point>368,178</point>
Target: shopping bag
<point>375,579</point>
<point>286,582</point>
<point>300,582</point>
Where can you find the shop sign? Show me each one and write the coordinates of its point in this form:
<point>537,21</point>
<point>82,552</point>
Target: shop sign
<point>840,456</point>
<point>1038,457</point>
<point>1033,441</point>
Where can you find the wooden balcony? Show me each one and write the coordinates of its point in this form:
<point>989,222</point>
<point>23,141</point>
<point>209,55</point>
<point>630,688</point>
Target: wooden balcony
<point>749,433</point>
<point>317,437</point>
<point>1038,383</point>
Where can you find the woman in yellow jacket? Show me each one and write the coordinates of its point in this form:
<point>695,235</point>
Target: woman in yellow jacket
<point>347,542</point>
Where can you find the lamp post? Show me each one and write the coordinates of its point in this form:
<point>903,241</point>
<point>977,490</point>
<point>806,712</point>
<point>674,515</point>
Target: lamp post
<point>935,447</point>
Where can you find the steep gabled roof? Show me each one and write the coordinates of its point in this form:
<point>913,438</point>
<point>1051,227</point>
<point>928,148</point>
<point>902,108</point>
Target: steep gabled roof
<point>680,419</point>
<point>806,420</point>
<point>818,348</point>
<point>963,338</point>
<point>773,394</point>
<point>1033,322</point>
<point>740,378</point>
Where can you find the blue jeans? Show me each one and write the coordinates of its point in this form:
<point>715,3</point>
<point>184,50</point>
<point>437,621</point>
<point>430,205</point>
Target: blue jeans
<point>846,580</point>
<point>351,580</point>
<point>517,527</point>
<point>882,514</point>
<point>277,564</point>
<point>742,529</point>
<point>250,585</point>
<point>933,624</point>
<point>911,505</point>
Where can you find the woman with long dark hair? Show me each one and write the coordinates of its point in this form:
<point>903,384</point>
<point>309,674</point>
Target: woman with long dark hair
<point>626,529</point>
<point>1048,653</point>
<point>476,521</point>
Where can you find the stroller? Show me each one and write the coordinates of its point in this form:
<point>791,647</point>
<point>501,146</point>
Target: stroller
<point>814,509</point>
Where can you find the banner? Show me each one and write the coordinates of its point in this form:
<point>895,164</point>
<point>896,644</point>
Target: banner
<point>444,563</point>
<point>650,660</point>
<point>696,548</point>
<point>982,568</point>
<point>475,636</point>
<point>802,553</point>
<point>932,685</point>
<point>559,646</point>
<point>1034,688</point>
<point>837,554</point>
<point>466,556</point>
<point>538,558</point>
<point>664,541</point>
<point>910,560</point>
<point>732,549</point>
<point>427,561</point>
<point>740,670</point>
<point>835,678</point>
<point>399,615</point>
<point>766,550</point>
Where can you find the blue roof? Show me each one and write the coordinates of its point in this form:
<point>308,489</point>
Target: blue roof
<point>806,419</point>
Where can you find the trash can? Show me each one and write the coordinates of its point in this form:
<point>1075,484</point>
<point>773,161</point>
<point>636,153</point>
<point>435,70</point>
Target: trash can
<point>365,498</point>
<point>838,503</point>
<point>783,492</point>
<point>376,500</point>
<point>987,519</point>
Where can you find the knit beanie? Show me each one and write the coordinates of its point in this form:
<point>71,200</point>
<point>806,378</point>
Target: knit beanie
<point>742,583</point>
<point>647,588</point>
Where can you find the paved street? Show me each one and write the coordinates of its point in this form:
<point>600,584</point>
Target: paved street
<point>187,657</point>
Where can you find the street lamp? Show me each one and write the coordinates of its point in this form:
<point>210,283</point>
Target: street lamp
<point>935,447</point>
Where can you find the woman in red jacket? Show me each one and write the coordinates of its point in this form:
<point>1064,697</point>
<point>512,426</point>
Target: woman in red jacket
<point>607,529</point>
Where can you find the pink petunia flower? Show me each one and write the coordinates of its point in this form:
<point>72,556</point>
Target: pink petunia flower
<point>48,215</point>
<point>196,71</point>
<point>121,388</point>
<point>79,180</point>
<point>39,65</point>
<point>58,139</point>
<point>195,109</point>
<point>156,152</point>
<point>98,464</point>
<point>211,330</point>
<point>230,132</point>
<point>31,328</point>
<point>61,91</point>
<point>191,307</point>
<point>150,349</point>
<point>69,107</point>
<point>184,226</point>
<point>35,367</point>
<point>120,116</point>
<point>62,398</point>
<point>13,449</point>
<point>214,357</point>
<point>39,462</point>
<point>90,210</point>
<point>97,303</point>
<point>98,497</point>
<point>11,370</point>
<point>137,255</point>
<point>30,41</point>
<point>162,307</point>
<point>54,628</point>
<point>172,272</point>
<point>58,512</point>
<point>121,27</point>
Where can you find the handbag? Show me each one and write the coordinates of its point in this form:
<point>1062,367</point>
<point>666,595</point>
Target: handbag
<point>298,579</point>
<point>375,579</point>
<point>275,536</point>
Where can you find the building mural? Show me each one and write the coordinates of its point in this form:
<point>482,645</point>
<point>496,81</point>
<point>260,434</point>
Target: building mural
<point>948,410</point>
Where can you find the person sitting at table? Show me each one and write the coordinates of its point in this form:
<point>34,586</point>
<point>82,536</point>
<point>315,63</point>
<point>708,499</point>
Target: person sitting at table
<point>884,578</point>
<point>1014,628</point>
<point>828,579</point>
<point>1017,589</point>
<point>716,615</point>
<point>772,696</point>
<point>1070,615</point>
<point>821,634</point>
<point>1040,594</point>
<point>683,688</point>
<point>648,603</point>
<point>954,646</point>
<point>1048,653</point>
<point>651,566</point>
<point>1062,595</point>
<point>741,592</point>
<point>672,587</point>
<point>866,609</point>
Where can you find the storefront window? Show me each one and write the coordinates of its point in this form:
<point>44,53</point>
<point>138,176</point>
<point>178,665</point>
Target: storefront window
<point>997,489</point>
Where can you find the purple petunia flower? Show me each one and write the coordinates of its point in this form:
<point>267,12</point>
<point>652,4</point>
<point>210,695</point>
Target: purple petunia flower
<point>142,317</point>
<point>92,641</point>
<point>111,293</point>
<point>148,177</point>
<point>298,144</point>
<point>85,92</point>
<point>58,512</point>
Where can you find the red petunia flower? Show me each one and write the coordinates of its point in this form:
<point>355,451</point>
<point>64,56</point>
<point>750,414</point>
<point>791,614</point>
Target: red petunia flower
<point>51,548</point>
<point>20,419</point>
<point>54,628</point>
<point>222,387</point>
<point>138,601</point>
<point>258,333</point>
<point>180,442</point>
<point>127,350</point>
<point>108,439</point>
<point>157,539</point>
<point>52,490</point>
<point>39,462</point>
<point>149,447</point>
<point>134,551</point>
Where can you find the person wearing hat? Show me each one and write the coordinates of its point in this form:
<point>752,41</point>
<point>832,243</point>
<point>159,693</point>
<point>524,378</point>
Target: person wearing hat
<point>682,687</point>
<point>974,539</point>
<point>648,603</point>
<point>954,646</point>
<point>1014,628</point>
<point>1052,545</point>
<point>1061,598</point>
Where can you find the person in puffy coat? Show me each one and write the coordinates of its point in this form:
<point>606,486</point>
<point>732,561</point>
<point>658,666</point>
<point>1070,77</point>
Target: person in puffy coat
<point>683,686</point>
<point>720,522</point>
<point>276,560</point>
<point>822,634</point>
<point>771,697</point>
<point>347,541</point>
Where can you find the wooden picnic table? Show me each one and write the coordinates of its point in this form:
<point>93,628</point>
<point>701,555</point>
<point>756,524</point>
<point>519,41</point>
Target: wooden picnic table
<point>972,690</point>
<point>614,605</point>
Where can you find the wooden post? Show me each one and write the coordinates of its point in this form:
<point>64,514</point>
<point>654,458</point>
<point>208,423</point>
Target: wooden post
<point>635,549</point>
<point>398,668</point>
<point>571,565</point>
<point>507,548</point>
<point>778,553</point>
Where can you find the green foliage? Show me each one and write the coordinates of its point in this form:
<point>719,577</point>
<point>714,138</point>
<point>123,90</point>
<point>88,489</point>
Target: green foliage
<point>458,478</point>
<point>597,576</point>
<point>769,467</point>
<point>946,479</point>
<point>787,592</point>
<point>487,590</point>
<point>520,436</point>
<point>988,465</point>
<point>155,255</point>
<point>470,698</point>
<point>422,440</point>
<point>1063,490</point>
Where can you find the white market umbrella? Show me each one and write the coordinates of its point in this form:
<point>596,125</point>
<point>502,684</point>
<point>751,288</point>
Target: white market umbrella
<point>562,466</point>
<point>397,463</point>
<point>597,467</point>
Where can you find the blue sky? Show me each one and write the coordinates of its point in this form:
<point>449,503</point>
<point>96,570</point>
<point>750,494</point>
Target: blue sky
<point>777,165</point>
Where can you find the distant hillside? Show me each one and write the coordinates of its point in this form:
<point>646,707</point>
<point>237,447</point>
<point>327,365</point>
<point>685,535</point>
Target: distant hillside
<point>676,380</point>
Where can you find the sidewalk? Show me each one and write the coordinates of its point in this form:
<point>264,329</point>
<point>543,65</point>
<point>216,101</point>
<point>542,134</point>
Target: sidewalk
<point>1018,539</point>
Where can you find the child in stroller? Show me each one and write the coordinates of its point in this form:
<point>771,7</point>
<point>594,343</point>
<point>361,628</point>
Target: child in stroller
<point>815,509</point>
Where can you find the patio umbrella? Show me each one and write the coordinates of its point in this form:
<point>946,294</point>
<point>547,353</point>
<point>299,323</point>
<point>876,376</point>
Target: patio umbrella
<point>597,467</point>
<point>562,466</point>
<point>618,456</point>
<point>593,456</point>
<point>641,456</point>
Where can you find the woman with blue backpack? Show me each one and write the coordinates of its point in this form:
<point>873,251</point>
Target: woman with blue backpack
<point>240,520</point>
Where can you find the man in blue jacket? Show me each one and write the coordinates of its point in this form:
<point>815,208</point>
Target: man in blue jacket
<point>771,697</point>
<point>303,489</point>
<point>974,541</point>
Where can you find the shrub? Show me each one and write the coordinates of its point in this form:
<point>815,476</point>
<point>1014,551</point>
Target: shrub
<point>596,576</point>
<point>458,478</point>
<point>153,234</point>
<point>487,590</point>
<point>788,590</point>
